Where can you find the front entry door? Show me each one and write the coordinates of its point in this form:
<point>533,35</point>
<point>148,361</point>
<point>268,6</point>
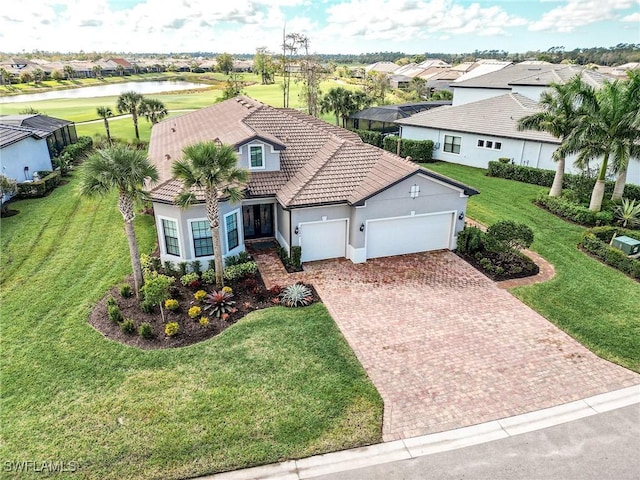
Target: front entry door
<point>258,220</point>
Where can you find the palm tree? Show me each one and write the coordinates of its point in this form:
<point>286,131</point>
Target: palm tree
<point>69,71</point>
<point>5,75</point>
<point>105,113</point>
<point>153,110</point>
<point>608,130</point>
<point>131,102</point>
<point>213,171</point>
<point>559,117</point>
<point>632,94</point>
<point>125,170</point>
<point>97,71</point>
<point>337,101</point>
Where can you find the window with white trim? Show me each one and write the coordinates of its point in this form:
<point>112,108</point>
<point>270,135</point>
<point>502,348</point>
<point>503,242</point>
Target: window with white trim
<point>202,238</point>
<point>231,228</point>
<point>489,144</point>
<point>170,232</point>
<point>256,156</point>
<point>452,144</point>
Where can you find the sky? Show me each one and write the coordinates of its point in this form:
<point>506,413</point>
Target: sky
<point>332,26</point>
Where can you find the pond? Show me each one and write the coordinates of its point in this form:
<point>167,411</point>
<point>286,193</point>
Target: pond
<point>113,89</point>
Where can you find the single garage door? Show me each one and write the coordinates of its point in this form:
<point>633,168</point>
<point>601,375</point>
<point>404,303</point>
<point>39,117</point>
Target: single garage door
<point>400,235</point>
<point>322,240</point>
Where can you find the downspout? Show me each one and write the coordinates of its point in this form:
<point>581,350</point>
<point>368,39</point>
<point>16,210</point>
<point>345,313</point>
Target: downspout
<point>524,143</point>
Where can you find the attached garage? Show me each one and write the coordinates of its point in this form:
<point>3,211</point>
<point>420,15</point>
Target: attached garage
<point>411,234</point>
<point>322,240</point>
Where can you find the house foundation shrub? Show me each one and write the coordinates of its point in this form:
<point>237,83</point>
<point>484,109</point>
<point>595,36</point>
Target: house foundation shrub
<point>418,150</point>
<point>544,178</point>
<point>236,272</point>
<point>40,188</point>
<point>145,330</point>
<point>370,137</point>
<point>79,150</point>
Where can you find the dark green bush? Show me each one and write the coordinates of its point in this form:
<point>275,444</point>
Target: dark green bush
<point>128,326</point>
<point>111,301</point>
<point>507,234</point>
<point>578,183</point>
<point>196,266</point>
<point>596,242</point>
<point>296,257</point>
<point>147,307</point>
<point>169,268</point>
<point>41,187</point>
<point>573,212</point>
<point>470,240</point>
<point>115,315</point>
<point>125,290</point>
<point>370,137</point>
<point>79,150</point>
<point>242,257</point>
<point>418,150</point>
<point>145,330</point>
<point>182,268</point>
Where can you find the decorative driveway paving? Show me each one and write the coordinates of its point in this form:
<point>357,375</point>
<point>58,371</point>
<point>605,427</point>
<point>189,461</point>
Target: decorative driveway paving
<point>446,348</point>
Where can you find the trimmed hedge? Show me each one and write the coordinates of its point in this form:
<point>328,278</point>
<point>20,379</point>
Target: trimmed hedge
<point>596,242</point>
<point>418,150</point>
<point>544,178</point>
<point>79,149</point>
<point>368,136</point>
<point>41,187</point>
<point>573,212</point>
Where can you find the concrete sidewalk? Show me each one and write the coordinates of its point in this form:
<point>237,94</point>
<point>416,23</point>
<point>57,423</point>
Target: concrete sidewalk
<point>344,461</point>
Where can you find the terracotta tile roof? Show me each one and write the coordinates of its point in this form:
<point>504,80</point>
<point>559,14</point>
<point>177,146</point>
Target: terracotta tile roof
<point>320,163</point>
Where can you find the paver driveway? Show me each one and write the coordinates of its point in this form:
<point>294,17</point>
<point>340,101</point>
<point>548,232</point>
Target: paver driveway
<point>447,348</point>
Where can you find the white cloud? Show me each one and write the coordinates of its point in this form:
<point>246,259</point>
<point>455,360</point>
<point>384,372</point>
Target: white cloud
<point>634,17</point>
<point>577,13</point>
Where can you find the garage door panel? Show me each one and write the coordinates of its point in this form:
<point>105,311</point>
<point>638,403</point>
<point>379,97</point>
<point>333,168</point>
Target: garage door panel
<point>323,240</point>
<point>397,236</point>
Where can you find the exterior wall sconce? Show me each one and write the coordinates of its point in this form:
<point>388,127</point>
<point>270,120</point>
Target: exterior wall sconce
<point>362,227</point>
<point>297,230</point>
<point>461,216</point>
<point>26,173</point>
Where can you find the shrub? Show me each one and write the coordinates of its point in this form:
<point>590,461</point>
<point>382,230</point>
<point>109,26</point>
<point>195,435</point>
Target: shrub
<point>596,242</point>
<point>169,268</point>
<point>111,301</point>
<point>504,160</point>
<point>470,240</point>
<point>115,314</point>
<point>156,263</point>
<point>209,276</point>
<point>194,311</point>
<point>128,326</point>
<point>628,212</point>
<point>418,150</point>
<point>171,328</point>
<point>145,330</point>
<point>125,290</point>
<point>575,213</point>
<point>204,321</point>
<point>296,295</point>
<point>196,267</point>
<point>275,290</point>
<point>510,235</point>
<point>187,278</point>
<point>369,136</point>
<point>200,295</point>
<point>228,290</point>
<point>242,270</point>
<point>242,257</point>
<point>296,257</point>
<point>182,268</point>
<point>219,303</point>
<point>171,304</point>
<point>146,306</point>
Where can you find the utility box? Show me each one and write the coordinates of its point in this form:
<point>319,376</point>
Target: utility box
<point>628,245</point>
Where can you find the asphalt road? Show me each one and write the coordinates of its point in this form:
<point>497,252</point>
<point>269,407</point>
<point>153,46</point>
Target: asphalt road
<point>600,447</point>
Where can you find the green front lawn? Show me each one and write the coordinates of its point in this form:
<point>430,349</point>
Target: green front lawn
<point>594,303</point>
<point>282,383</point>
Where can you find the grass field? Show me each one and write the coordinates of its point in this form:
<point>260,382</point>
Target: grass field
<point>282,383</point>
<point>594,303</point>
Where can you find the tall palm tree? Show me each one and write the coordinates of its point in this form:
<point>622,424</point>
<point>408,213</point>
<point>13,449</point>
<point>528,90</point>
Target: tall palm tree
<point>153,110</point>
<point>69,71</point>
<point>131,102</point>
<point>559,117</point>
<point>105,113</point>
<point>213,171</point>
<point>337,101</point>
<point>125,170</point>
<point>621,163</point>
<point>607,130</point>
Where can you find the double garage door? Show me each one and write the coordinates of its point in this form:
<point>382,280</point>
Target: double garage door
<point>384,238</point>
<point>400,235</point>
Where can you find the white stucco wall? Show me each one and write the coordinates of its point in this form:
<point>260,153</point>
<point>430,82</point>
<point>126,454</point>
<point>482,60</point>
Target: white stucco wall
<point>462,95</point>
<point>29,152</point>
<point>271,157</point>
<point>529,91</point>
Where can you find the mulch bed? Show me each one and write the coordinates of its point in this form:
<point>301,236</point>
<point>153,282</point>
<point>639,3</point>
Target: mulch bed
<point>520,267</point>
<point>249,295</point>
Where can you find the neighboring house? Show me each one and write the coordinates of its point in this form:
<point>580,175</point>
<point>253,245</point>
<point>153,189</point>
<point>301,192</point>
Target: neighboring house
<point>22,152</point>
<point>382,118</point>
<point>311,184</point>
<point>382,67</point>
<point>478,132</point>
<point>399,81</point>
<point>57,132</point>
<point>126,65</point>
<point>528,80</point>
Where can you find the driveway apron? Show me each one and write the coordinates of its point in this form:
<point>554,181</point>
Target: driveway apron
<point>446,348</point>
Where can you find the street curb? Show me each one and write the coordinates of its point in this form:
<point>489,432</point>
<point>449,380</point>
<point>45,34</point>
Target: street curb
<point>346,460</point>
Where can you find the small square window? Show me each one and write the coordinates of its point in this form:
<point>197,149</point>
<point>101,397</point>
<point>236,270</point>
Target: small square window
<point>489,144</point>
<point>497,145</point>
<point>256,157</point>
<point>481,143</point>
